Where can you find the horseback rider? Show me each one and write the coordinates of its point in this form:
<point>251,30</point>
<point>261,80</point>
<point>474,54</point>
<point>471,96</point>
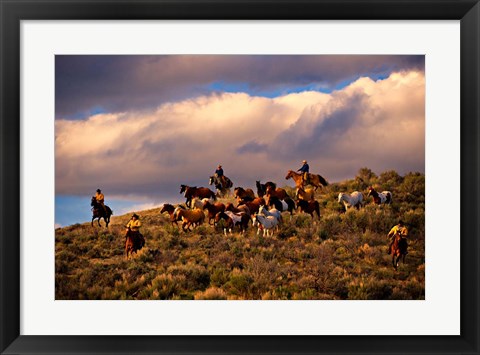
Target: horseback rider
<point>134,225</point>
<point>219,174</point>
<point>305,169</point>
<point>397,229</point>
<point>100,198</point>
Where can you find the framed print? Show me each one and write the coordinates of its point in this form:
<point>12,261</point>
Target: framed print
<point>186,177</point>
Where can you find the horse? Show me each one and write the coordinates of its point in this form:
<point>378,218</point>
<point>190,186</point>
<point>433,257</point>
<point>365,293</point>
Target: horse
<point>243,194</point>
<point>222,186</point>
<point>253,206</point>
<point>172,211</point>
<point>312,179</point>
<point>398,249</point>
<point>191,218</point>
<point>99,212</point>
<point>213,209</point>
<point>284,205</point>
<point>276,192</point>
<point>200,192</point>
<point>134,241</point>
<point>384,197</point>
<point>197,203</point>
<point>309,207</point>
<point>267,223</point>
<point>240,209</point>
<point>305,194</point>
<point>355,199</point>
<point>262,188</point>
<point>233,219</point>
<point>272,212</point>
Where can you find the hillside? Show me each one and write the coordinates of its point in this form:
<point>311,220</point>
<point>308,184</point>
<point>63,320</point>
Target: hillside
<point>340,256</point>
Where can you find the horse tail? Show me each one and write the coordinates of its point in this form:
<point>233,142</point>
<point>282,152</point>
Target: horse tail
<point>322,180</point>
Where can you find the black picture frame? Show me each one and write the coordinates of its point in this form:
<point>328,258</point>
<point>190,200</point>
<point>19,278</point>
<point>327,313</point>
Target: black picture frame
<point>12,12</point>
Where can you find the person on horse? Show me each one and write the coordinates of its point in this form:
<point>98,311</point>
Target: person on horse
<point>134,225</point>
<point>100,198</point>
<point>305,169</point>
<point>219,174</point>
<point>397,229</point>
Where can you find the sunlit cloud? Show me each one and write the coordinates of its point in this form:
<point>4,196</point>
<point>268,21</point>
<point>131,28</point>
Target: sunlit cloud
<point>374,123</point>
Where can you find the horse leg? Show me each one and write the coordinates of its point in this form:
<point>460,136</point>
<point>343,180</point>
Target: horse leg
<point>99,222</point>
<point>93,218</point>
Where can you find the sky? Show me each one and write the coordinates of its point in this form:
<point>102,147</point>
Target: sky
<point>138,127</point>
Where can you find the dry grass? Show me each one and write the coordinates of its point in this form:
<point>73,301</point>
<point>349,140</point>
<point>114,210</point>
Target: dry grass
<point>342,256</point>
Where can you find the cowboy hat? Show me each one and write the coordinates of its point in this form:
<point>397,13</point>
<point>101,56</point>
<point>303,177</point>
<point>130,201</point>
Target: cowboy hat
<point>304,161</point>
<point>134,215</point>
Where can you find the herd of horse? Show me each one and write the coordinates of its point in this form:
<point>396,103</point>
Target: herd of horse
<point>263,208</point>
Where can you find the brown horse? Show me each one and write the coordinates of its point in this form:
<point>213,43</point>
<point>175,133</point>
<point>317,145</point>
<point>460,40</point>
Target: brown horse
<point>243,194</point>
<point>262,188</point>
<point>191,218</point>
<point>384,197</point>
<point>99,212</point>
<point>200,192</point>
<point>309,207</point>
<point>398,249</point>
<point>253,206</point>
<point>134,241</point>
<point>276,192</point>
<point>213,209</point>
<point>312,179</point>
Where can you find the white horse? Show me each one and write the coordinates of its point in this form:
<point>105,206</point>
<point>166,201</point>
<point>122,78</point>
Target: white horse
<point>267,223</point>
<point>355,199</point>
<point>273,212</point>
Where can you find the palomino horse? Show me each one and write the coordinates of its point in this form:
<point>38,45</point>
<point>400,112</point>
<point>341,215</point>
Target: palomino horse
<point>355,199</point>
<point>305,194</point>
<point>262,188</point>
<point>312,179</point>
<point>99,212</point>
<point>134,241</point>
<point>223,186</point>
<point>200,192</point>
<point>398,249</point>
<point>380,197</point>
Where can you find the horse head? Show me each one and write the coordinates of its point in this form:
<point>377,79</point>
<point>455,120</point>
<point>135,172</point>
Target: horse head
<point>183,188</point>
<point>210,181</point>
<point>371,190</point>
<point>93,203</point>
<point>289,175</point>
<point>341,196</point>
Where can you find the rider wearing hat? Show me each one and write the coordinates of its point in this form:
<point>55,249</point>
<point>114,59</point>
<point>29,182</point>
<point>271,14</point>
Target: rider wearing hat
<point>100,198</point>
<point>134,225</point>
<point>397,229</point>
<point>219,174</point>
<point>305,169</point>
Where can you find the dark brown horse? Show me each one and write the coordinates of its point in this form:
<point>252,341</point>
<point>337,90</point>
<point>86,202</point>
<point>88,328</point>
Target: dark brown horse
<point>222,185</point>
<point>243,194</point>
<point>398,249</point>
<point>134,241</point>
<point>309,207</point>
<point>262,188</point>
<point>99,212</point>
<point>240,209</point>
<point>200,192</point>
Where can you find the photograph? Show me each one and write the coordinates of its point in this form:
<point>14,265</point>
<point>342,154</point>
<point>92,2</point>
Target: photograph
<point>239,177</point>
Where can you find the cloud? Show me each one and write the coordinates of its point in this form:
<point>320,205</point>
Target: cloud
<point>89,84</point>
<point>379,124</point>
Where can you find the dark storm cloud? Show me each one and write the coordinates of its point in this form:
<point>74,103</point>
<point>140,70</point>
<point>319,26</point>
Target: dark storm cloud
<point>86,85</point>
